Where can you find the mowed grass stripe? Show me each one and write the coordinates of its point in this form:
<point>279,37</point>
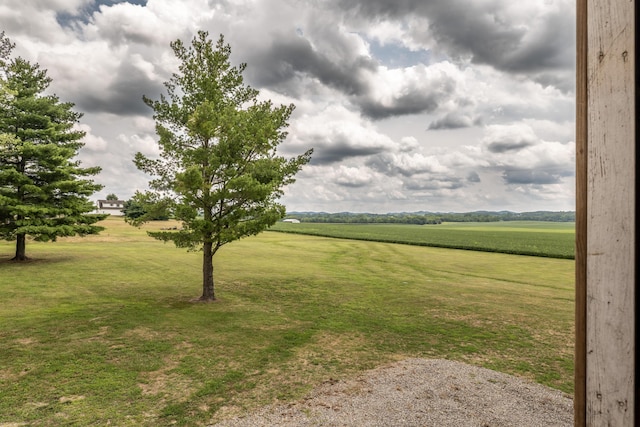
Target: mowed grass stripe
<point>555,240</point>
<point>101,330</point>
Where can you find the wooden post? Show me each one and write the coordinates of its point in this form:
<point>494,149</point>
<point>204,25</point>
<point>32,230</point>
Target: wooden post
<point>606,221</point>
<point>580,365</point>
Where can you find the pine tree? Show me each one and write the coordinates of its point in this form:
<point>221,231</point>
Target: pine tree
<point>218,162</point>
<point>43,190</point>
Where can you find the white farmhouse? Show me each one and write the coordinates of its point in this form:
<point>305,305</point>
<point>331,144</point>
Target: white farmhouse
<point>111,207</point>
<point>291,220</point>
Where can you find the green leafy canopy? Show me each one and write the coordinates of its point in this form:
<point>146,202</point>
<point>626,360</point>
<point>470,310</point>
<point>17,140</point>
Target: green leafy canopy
<point>217,144</point>
<point>218,167</point>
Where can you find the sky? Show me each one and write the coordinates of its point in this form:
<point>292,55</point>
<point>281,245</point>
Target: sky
<point>409,105</point>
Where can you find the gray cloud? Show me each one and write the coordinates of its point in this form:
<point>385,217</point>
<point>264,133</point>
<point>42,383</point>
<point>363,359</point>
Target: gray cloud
<point>410,103</point>
<point>473,177</point>
<point>406,164</point>
<point>454,121</point>
<point>284,64</point>
<point>542,51</point>
<point>124,95</point>
<point>383,8</point>
<point>509,145</point>
<point>334,153</point>
<point>286,58</point>
<point>530,176</point>
<point>434,183</point>
<point>491,33</point>
<point>352,184</point>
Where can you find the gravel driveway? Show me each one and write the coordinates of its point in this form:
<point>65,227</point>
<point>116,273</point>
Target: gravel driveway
<point>420,392</point>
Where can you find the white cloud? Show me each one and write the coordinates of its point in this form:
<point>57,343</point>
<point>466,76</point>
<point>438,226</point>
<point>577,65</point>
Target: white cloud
<point>145,144</point>
<point>505,138</point>
<point>337,133</point>
<point>525,159</point>
<point>156,24</point>
<point>91,141</point>
<point>410,90</point>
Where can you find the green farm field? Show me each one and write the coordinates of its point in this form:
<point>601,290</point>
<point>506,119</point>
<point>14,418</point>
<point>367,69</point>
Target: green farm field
<point>548,239</point>
<point>102,330</point>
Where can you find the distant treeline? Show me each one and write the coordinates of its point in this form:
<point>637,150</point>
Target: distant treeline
<point>430,217</point>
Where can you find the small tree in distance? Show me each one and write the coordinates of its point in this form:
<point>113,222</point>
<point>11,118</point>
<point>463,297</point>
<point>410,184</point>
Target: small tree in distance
<point>218,167</point>
<point>147,205</point>
<point>111,196</point>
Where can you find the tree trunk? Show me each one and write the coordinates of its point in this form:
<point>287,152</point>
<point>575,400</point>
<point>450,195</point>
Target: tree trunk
<point>21,248</point>
<point>207,273</point>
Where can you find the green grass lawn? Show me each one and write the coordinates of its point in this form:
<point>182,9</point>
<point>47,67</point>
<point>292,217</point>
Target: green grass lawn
<point>102,329</point>
<point>549,239</point>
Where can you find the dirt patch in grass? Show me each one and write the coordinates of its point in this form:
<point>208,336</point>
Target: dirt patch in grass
<point>26,341</point>
<point>7,375</point>
<point>141,333</point>
<point>338,348</point>
<point>100,238</point>
<point>70,399</point>
<point>172,386</point>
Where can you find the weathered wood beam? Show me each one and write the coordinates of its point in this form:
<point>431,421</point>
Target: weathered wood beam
<point>610,259</point>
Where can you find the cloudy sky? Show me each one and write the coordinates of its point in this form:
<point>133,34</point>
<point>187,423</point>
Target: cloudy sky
<point>410,105</point>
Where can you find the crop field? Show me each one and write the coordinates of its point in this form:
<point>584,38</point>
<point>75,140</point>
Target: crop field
<point>548,239</point>
<point>103,330</point>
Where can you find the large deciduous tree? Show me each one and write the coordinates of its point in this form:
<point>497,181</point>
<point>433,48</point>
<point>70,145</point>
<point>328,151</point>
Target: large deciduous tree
<point>218,164</point>
<point>43,190</point>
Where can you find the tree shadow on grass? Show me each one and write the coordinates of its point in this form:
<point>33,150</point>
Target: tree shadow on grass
<point>182,302</point>
<point>46,259</point>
